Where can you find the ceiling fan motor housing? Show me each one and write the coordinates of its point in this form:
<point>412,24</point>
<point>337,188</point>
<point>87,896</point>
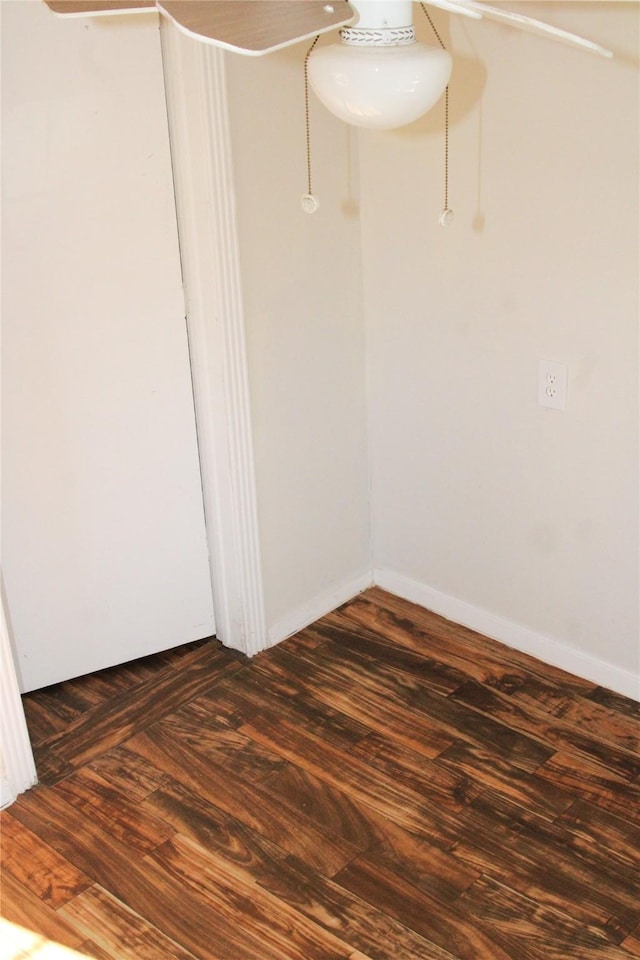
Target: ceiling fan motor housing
<point>383,14</point>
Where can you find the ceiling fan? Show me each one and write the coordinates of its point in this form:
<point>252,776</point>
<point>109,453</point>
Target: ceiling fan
<point>376,76</point>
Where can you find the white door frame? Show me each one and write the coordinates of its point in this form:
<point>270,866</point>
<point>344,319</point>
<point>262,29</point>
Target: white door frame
<point>195,82</point>
<point>17,768</point>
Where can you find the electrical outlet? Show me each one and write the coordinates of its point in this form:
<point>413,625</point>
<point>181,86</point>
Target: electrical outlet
<point>552,384</point>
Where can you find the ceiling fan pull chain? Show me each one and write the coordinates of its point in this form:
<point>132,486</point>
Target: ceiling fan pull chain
<point>447,215</point>
<point>309,203</point>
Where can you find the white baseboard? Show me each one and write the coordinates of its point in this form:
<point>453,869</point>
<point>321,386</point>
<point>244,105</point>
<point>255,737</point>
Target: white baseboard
<point>317,607</point>
<point>520,638</point>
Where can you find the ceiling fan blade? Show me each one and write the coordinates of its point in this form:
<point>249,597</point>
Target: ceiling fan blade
<point>94,8</point>
<point>255,27</point>
<point>532,26</point>
<point>453,6</point>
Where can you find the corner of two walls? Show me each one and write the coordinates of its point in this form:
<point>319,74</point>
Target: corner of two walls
<point>380,342</point>
<point>302,297</point>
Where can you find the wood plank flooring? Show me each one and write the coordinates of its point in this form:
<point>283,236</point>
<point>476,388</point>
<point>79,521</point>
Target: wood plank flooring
<point>383,786</point>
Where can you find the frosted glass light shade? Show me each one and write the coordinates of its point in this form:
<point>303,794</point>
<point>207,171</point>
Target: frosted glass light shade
<point>379,87</point>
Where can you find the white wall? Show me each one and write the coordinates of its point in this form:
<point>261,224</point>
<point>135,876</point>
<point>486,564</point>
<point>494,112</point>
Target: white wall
<point>301,280</point>
<point>104,547</point>
<point>513,518</point>
<point>520,521</point>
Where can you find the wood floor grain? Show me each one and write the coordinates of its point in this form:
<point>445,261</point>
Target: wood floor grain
<point>385,785</point>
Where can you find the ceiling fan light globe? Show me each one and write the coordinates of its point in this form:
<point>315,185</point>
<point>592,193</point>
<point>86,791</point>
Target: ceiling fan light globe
<point>381,88</point>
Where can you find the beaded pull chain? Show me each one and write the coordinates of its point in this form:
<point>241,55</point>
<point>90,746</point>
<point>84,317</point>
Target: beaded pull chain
<point>310,203</point>
<point>446,216</point>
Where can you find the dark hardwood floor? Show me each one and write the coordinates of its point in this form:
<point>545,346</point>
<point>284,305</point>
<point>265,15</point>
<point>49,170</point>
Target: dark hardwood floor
<point>384,785</point>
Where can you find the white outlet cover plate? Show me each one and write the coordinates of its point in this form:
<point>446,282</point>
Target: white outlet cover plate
<point>552,384</point>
